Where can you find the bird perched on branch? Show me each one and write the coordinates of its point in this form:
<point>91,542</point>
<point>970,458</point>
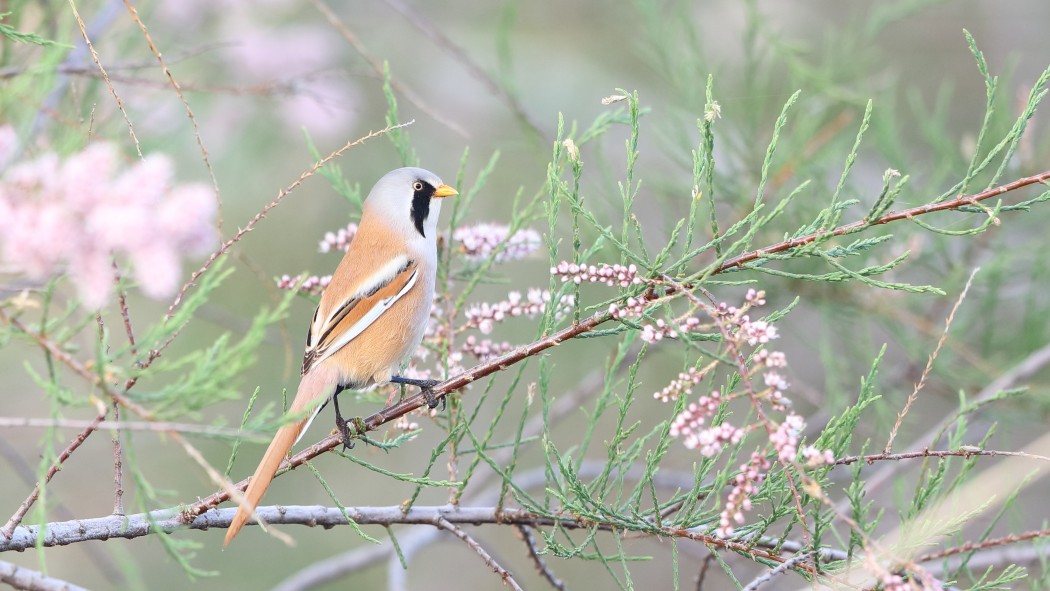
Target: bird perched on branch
<point>371,316</point>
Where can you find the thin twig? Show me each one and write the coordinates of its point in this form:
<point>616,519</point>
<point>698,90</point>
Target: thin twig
<point>20,513</point>
<point>434,33</point>
<point>378,67</point>
<point>564,406</point>
<point>471,543</point>
<point>929,363</point>
<point>105,76</point>
<point>537,560</point>
<point>1032,364</point>
<point>189,113</point>
<point>265,210</point>
<point>98,557</point>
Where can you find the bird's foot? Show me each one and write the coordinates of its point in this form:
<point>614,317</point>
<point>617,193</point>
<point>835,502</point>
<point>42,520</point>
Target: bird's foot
<point>425,388</point>
<point>343,426</point>
<point>432,401</point>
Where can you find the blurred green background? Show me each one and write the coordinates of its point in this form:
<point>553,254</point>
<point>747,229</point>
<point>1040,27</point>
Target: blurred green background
<point>495,77</point>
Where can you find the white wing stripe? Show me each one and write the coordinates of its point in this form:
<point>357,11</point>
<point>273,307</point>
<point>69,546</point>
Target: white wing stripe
<point>371,316</point>
<point>377,280</point>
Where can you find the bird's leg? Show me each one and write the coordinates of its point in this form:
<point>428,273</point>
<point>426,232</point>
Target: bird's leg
<point>340,422</point>
<point>425,388</point>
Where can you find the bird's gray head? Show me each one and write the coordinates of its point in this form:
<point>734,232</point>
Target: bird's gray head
<point>409,200</point>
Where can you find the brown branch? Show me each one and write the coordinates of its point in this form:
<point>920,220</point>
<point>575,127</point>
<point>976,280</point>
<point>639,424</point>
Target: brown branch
<point>893,216</point>
<point>471,543</point>
<point>972,546</point>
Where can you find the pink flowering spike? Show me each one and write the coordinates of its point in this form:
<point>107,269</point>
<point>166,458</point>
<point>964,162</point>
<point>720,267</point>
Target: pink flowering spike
<point>480,241</point>
<point>484,316</point>
<point>612,275</point>
<point>682,385</point>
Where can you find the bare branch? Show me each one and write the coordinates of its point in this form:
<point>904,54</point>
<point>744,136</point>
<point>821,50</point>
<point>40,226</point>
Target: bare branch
<point>20,577</point>
<point>475,546</point>
<point>20,513</point>
<point>534,554</point>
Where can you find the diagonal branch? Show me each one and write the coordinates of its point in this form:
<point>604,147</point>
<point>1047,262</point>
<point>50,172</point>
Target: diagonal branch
<point>498,364</point>
<point>893,216</point>
<point>504,574</point>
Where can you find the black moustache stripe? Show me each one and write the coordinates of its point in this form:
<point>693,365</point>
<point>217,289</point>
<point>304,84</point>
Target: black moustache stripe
<point>421,205</point>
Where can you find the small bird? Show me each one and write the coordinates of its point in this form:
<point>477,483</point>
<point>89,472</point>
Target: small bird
<point>371,316</point>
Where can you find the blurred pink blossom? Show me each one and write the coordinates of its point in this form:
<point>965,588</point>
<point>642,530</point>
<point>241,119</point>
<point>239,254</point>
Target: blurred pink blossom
<point>74,216</point>
<point>338,240</point>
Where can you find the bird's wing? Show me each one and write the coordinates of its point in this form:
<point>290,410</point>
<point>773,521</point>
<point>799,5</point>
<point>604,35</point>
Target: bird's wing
<point>361,306</point>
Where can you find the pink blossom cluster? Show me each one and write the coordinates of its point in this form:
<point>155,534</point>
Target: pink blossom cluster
<point>485,349</point>
<point>785,438</point>
<point>710,441</point>
<point>745,485</point>
<point>690,420</point>
<point>684,384</point>
<point>654,333</point>
<point>815,458</point>
<point>633,307</point>
<point>312,285</point>
<point>479,241</point>
<point>756,332</point>
<point>73,216</point>
<point>338,240</point>
<point>484,316</point>
<point>621,275</point>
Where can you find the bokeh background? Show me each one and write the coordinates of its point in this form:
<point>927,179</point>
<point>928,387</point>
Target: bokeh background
<point>495,77</point>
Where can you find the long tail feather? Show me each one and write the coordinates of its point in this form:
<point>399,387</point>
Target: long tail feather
<point>316,385</point>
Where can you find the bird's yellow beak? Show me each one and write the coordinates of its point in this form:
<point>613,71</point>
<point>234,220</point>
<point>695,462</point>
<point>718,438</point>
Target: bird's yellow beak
<point>445,191</point>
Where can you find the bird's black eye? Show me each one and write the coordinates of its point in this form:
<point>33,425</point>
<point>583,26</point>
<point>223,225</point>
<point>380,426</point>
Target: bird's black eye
<point>417,186</point>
